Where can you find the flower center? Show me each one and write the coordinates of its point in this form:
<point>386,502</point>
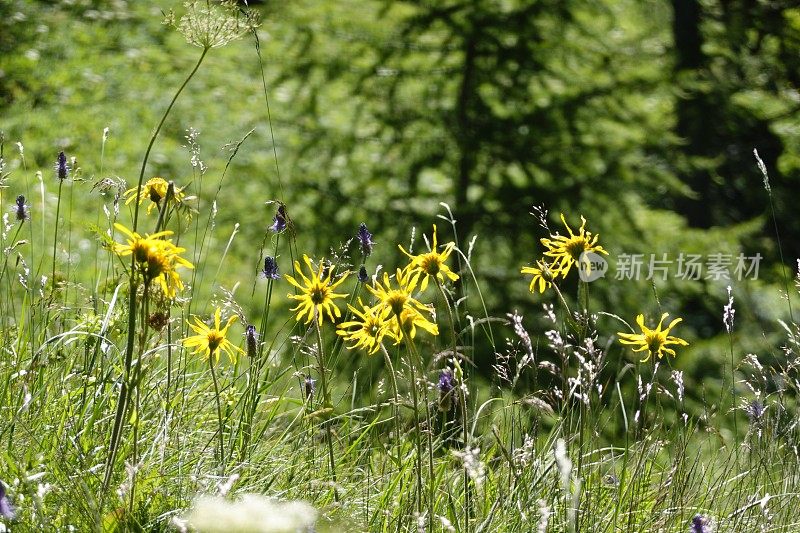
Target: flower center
<point>430,263</point>
<point>575,247</point>
<point>654,342</point>
<point>318,294</point>
<point>214,340</point>
<point>397,301</point>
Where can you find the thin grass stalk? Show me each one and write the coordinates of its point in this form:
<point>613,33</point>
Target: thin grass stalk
<point>326,402</point>
<point>220,420</point>
<point>122,403</point>
<point>462,400</point>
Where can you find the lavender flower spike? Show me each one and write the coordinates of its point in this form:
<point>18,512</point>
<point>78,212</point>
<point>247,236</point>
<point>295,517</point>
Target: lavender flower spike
<point>365,239</point>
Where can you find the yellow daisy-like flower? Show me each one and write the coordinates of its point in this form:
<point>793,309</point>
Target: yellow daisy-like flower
<point>655,341</point>
<point>317,292</point>
<point>155,190</point>
<point>431,263</point>
<point>156,258</point>
<point>402,304</point>
<point>369,330</point>
<point>566,251</point>
<point>212,341</point>
<point>410,319</point>
<point>543,276</point>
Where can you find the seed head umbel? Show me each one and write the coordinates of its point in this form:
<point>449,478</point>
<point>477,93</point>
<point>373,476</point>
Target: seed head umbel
<point>208,25</point>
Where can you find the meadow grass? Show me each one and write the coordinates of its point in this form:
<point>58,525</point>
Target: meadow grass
<point>131,393</point>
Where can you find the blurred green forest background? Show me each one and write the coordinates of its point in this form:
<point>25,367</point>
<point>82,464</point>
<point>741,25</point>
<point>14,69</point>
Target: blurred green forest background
<point>641,115</point>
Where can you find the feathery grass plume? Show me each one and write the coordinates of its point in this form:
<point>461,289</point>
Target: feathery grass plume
<point>567,251</point>
<point>212,340</point>
<point>365,239</point>
<point>249,513</point>
<point>476,469</point>
<point>763,168</point>
<point>208,25</point>
<point>655,341</point>
<point>317,296</point>
<point>544,516</point>
<point>431,264</point>
<point>728,311</point>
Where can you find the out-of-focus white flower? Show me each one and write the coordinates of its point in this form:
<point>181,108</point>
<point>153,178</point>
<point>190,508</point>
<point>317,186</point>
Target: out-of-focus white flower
<point>249,513</point>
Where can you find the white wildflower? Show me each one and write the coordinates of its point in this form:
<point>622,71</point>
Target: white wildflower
<point>249,513</point>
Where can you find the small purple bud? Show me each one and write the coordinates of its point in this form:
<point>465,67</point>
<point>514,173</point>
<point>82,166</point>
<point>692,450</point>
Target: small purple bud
<point>21,209</point>
<point>251,339</point>
<point>309,386</point>
<point>700,524</point>
<point>365,239</point>
<point>279,220</point>
<point>446,387</point>
<point>363,277</point>
<point>6,509</point>
<point>270,268</point>
<point>755,410</point>
<point>62,169</point>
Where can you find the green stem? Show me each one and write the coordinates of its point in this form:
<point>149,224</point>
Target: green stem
<point>220,422</point>
<point>461,397</point>
<point>409,342</point>
<point>326,403</point>
<point>122,403</point>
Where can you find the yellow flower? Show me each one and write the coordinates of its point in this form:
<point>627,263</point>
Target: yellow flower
<point>410,319</point>
<point>543,276</point>
<point>155,190</point>
<point>402,304</point>
<point>655,341</point>
<point>212,341</point>
<point>156,258</point>
<point>317,293</point>
<point>369,330</point>
<point>431,263</point>
<point>566,251</point>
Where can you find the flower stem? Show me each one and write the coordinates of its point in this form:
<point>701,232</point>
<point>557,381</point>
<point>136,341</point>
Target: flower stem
<point>122,403</point>
<point>326,405</point>
<point>221,429</point>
